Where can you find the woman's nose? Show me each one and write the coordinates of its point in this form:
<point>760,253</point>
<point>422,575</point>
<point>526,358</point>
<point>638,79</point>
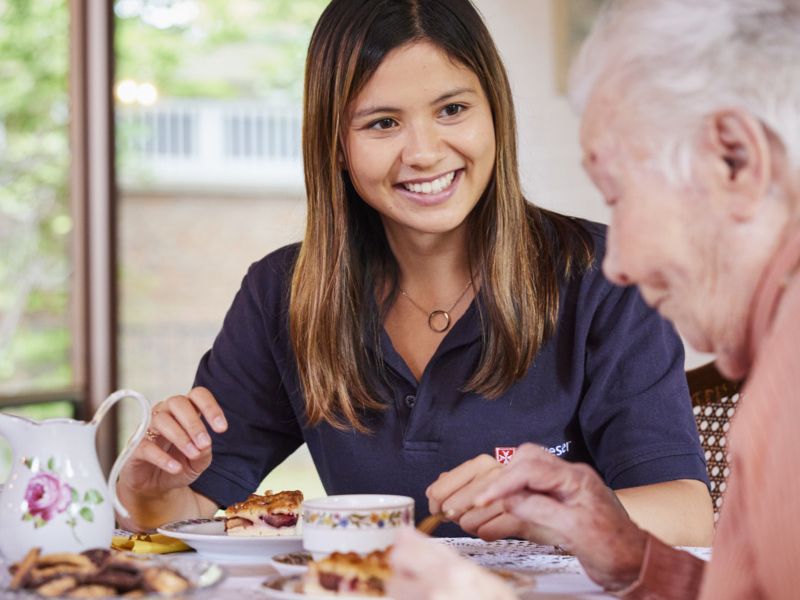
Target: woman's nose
<point>424,147</point>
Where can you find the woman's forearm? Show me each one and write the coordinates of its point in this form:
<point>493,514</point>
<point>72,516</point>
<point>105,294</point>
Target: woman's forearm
<point>151,512</point>
<point>678,512</point>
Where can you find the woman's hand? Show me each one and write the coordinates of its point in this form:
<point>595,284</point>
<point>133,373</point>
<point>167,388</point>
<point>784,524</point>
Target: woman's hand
<point>181,449</point>
<point>425,570</point>
<point>583,515</point>
<point>454,494</point>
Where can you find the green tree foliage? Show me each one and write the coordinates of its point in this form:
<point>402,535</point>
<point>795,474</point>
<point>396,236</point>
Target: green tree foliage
<point>257,47</point>
<point>34,211</point>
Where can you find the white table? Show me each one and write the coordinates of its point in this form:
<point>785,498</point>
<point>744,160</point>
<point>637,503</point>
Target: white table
<point>557,576</point>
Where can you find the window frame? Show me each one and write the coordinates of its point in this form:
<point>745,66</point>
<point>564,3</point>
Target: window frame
<point>93,318</point>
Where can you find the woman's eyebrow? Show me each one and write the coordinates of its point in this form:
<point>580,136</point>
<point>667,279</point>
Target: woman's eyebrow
<point>454,92</point>
<point>371,110</point>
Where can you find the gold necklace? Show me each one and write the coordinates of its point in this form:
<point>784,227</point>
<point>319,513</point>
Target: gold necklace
<point>438,314</point>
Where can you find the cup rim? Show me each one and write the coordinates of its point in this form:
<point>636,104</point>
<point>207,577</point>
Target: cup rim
<point>360,502</point>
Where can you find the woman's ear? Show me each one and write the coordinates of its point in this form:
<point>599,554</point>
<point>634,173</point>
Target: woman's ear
<point>741,152</point>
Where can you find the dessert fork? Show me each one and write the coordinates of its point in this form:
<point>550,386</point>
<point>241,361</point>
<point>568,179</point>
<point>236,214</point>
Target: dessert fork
<point>429,524</point>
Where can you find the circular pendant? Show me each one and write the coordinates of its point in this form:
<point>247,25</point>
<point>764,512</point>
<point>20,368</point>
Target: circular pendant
<point>440,318</point>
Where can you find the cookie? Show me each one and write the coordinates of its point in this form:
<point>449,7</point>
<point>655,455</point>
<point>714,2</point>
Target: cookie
<point>23,567</point>
<point>57,587</point>
<point>98,556</point>
<point>92,591</point>
<point>164,581</point>
<point>121,579</point>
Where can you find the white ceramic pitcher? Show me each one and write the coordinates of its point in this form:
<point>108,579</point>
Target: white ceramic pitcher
<point>55,496</point>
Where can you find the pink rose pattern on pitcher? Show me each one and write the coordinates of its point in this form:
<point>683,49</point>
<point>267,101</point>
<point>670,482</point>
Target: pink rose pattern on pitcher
<point>47,496</point>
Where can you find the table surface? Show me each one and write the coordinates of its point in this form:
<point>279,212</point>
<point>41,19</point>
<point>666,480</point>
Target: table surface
<point>558,576</point>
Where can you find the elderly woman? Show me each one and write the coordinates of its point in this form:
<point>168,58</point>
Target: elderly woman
<point>691,131</point>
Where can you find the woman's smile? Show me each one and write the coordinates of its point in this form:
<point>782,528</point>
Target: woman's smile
<point>431,191</point>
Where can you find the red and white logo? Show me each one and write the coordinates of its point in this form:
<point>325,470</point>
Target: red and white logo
<point>504,455</point>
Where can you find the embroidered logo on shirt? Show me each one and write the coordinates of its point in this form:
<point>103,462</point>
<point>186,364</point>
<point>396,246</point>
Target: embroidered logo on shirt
<point>561,449</point>
<point>503,455</point>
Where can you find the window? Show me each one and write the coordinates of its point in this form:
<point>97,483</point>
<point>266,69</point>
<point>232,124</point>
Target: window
<point>38,373</point>
<point>210,176</point>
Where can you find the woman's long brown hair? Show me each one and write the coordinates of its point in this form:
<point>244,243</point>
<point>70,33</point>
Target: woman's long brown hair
<point>520,253</point>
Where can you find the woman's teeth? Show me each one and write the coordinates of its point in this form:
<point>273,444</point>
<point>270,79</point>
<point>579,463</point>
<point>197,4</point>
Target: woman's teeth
<point>431,187</point>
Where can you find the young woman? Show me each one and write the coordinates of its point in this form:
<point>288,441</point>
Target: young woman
<point>431,314</point>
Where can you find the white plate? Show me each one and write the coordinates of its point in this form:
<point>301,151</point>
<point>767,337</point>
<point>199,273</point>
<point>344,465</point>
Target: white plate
<point>285,568</point>
<point>208,537</point>
<point>283,587</point>
<point>203,576</point>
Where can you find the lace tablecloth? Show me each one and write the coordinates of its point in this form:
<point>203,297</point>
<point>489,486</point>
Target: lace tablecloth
<point>557,574</point>
<point>525,556</point>
<point>515,554</point>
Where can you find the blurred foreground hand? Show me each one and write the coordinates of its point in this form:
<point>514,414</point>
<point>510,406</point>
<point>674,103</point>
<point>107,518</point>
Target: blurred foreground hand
<point>427,570</point>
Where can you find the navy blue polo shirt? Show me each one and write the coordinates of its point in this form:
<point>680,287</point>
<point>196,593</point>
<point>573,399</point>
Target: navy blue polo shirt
<point>608,388</point>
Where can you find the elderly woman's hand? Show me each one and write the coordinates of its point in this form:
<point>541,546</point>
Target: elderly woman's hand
<point>582,513</point>
<point>425,570</point>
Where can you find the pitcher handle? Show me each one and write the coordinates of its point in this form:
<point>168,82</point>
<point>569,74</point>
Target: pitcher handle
<point>132,442</point>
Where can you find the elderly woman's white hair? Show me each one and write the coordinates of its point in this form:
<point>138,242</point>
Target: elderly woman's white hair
<point>677,61</point>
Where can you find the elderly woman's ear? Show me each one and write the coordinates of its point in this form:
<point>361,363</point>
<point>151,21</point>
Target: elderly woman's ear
<point>740,150</point>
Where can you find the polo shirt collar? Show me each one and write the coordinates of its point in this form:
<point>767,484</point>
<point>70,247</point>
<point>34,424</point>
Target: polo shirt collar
<point>464,332</point>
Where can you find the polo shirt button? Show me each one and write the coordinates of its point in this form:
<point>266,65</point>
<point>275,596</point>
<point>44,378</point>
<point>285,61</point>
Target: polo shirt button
<point>411,400</point>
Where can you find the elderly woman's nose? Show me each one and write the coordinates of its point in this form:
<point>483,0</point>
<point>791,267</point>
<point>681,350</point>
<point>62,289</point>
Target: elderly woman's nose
<point>424,147</point>
<point>613,266</point>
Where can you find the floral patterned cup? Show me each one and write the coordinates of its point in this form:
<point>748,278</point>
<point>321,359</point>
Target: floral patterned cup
<point>354,523</point>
